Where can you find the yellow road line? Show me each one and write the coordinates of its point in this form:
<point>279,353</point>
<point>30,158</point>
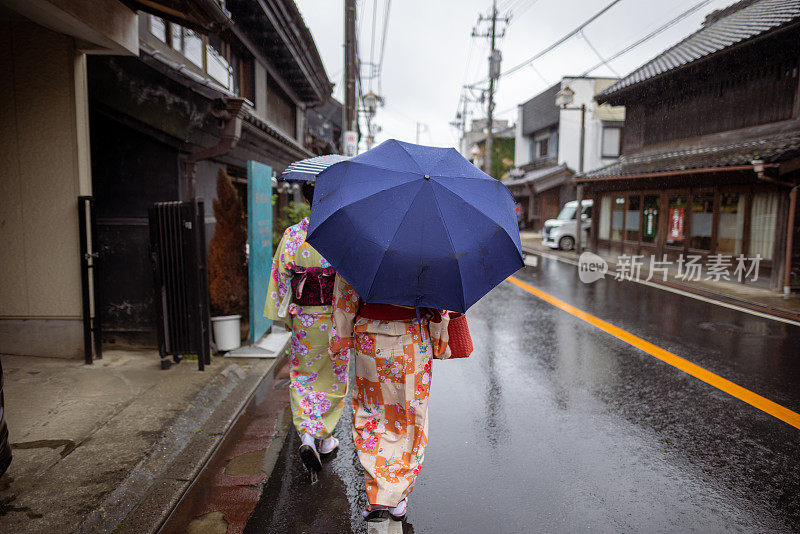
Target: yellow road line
<point>753,399</point>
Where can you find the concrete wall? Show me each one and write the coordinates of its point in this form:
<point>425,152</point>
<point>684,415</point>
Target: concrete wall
<point>570,124</point>
<point>44,167</point>
<point>99,26</point>
<point>522,143</point>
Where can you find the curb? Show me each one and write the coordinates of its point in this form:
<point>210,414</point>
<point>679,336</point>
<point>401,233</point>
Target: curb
<point>146,497</point>
<point>221,499</point>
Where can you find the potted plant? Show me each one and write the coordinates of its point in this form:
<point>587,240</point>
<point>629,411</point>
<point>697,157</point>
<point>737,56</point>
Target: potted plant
<point>227,269</point>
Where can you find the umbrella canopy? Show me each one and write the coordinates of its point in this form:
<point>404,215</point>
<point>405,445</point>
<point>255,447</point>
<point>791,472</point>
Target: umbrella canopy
<point>306,170</point>
<point>415,225</point>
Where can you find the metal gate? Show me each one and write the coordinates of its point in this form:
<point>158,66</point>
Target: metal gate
<point>177,250</point>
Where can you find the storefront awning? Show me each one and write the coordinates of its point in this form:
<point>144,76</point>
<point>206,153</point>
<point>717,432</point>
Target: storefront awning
<point>542,179</point>
<point>753,154</point>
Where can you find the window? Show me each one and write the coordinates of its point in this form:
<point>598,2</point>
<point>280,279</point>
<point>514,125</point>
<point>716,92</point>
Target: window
<point>763,215</point>
<point>612,141</point>
<point>731,223</point>
<point>617,216</point>
<point>158,27</point>
<point>218,66</point>
<point>189,43</point>
<point>213,55</point>
<point>702,221</point>
<point>632,218</point>
<point>605,217</point>
<point>541,147</point>
<point>567,213</point>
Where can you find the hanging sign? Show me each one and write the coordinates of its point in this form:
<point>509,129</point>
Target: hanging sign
<point>675,230</point>
<point>650,222</point>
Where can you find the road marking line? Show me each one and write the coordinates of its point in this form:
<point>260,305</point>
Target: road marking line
<point>681,292</point>
<point>753,399</point>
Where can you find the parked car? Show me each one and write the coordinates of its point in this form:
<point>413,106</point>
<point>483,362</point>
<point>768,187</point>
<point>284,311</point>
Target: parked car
<point>560,232</point>
<point>5,446</point>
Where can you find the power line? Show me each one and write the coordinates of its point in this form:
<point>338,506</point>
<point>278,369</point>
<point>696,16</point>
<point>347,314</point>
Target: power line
<point>522,7</point>
<point>383,46</point>
<point>540,75</point>
<point>372,43</point>
<point>650,35</point>
<point>602,59</point>
<point>508,6</point>
<point>555,44</point>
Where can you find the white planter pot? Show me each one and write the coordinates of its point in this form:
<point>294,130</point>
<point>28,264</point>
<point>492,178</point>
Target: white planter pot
<point>227,333</point>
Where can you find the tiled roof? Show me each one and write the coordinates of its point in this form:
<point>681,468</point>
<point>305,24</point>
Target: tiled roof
<point>772,149</point>
<point>534,175</point>
<point>540,111</point>
<point>754,19</point>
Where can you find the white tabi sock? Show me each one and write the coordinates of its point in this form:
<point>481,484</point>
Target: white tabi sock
<point>308,439</point>
<point>398,510</point>
<point>328,444</point>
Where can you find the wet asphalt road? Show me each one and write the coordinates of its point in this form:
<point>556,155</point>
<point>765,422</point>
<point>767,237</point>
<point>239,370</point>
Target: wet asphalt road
<point>555,426</point>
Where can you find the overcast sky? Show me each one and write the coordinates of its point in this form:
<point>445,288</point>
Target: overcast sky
<point>430,53</point>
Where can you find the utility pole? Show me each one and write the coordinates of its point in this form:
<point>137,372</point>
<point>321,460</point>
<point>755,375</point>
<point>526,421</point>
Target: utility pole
<point>579,188</point>
<point>564,98</point>
<point>349,114</point>
<point>494,74</point>
<point>490,108</point>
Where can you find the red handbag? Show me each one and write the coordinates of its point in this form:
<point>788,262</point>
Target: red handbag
<point>460,340</point>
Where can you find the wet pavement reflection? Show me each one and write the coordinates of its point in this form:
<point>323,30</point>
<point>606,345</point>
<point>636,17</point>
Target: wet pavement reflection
<point>555,426</point>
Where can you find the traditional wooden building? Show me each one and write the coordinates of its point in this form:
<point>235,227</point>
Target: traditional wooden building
<point>548,146</point>
<point>711,146</point>
<point>45,163</point>
<point>324,128</point>
<point>158,123</point>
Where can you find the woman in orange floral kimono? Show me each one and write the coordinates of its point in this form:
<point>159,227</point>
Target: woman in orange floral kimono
<point>393,378</point>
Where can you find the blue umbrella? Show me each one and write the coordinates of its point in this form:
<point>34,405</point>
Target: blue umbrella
<point>306,170</point>
<point>415,225</point>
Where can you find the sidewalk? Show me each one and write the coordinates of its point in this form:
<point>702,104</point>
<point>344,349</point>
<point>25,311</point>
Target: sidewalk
<point>91,442</point>
<point>753,298</point>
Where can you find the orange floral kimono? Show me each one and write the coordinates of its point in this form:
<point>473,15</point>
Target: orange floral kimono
<point>390,404</point>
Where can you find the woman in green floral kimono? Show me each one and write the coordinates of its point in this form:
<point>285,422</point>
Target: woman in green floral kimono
<point>300,294</point>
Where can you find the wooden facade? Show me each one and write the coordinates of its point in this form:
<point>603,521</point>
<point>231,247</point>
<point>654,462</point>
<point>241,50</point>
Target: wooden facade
<point>738,91</point>
<point>711,151</point>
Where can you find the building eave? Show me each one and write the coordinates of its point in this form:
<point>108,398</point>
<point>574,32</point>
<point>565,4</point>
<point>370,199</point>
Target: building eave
<point>278,29</point>
<point>204,16</point>
<point>700,46</point>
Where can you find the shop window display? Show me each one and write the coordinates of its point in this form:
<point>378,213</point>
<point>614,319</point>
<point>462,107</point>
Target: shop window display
<point>731,223</point>
<point>617,216</point>
<point>763,216</point>
<point>632,218</point>
<point>702,221</point>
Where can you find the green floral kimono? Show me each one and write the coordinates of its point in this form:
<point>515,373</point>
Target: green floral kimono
<point>318,384</point>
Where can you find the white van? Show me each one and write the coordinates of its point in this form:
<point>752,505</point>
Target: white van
<point>560,232</point>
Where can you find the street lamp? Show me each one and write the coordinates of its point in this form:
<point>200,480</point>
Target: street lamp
<point>564,98</point>
<point>371,101</point>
